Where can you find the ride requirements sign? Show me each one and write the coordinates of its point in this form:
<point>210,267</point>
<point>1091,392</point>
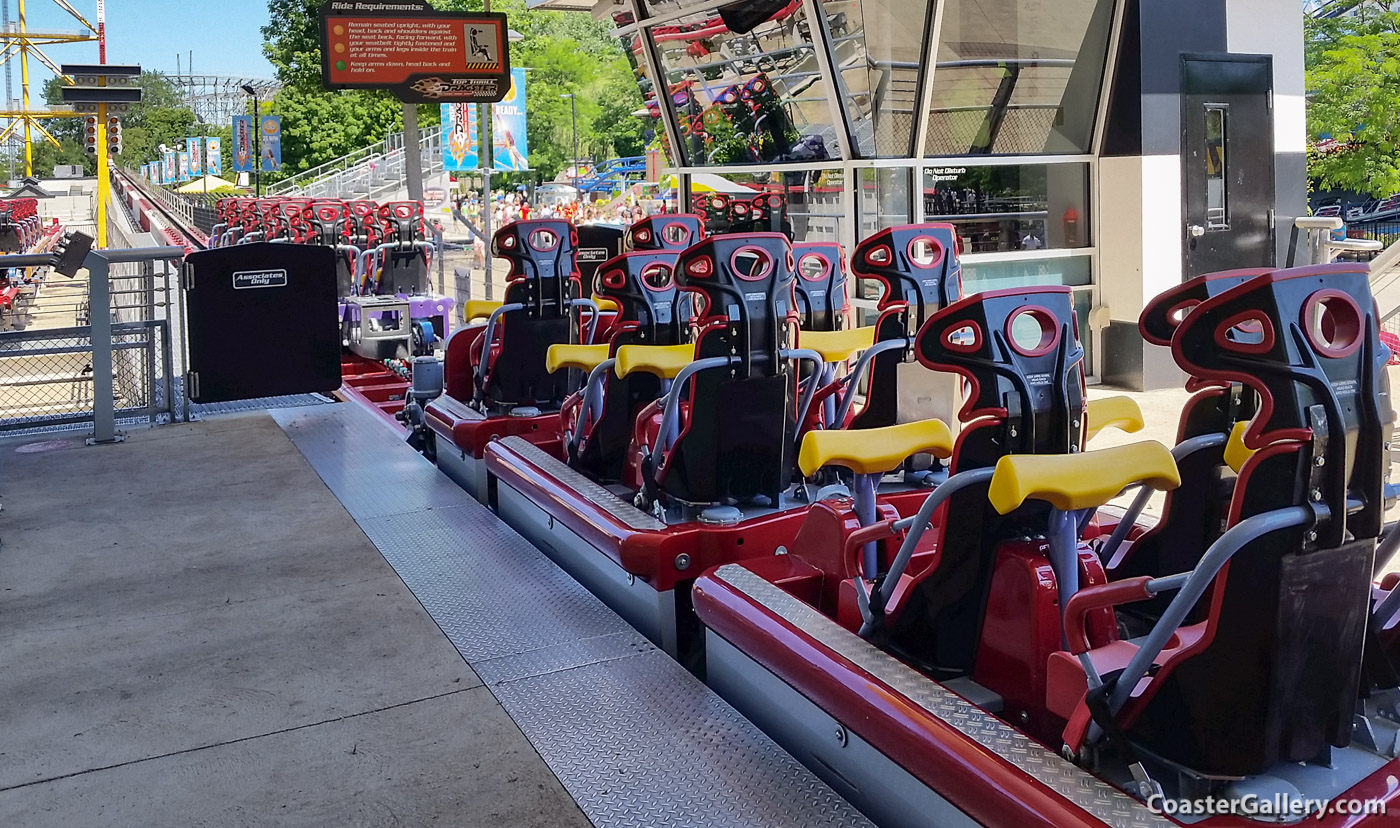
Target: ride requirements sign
<point>409,48</point>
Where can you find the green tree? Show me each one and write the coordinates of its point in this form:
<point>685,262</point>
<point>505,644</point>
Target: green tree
<point>47,156</point>
<point>563,51</point>
<point>318,126</point>
<point>1354,85</point>
<point>291,42</point>
<point>160,117</point>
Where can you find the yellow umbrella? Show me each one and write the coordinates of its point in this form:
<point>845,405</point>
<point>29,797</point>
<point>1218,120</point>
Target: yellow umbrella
<point>204,185</point>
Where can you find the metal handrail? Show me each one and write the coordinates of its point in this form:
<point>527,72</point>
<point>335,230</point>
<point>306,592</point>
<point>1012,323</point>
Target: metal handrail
<point>334,178</point>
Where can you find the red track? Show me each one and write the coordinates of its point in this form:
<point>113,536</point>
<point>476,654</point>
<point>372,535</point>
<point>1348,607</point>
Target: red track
<point>373,385</point>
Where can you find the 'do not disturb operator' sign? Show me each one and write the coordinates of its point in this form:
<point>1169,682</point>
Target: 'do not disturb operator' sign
<point>420,54</point>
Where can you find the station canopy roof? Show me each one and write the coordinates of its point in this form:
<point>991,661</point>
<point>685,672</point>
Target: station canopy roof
<point>753,83</point>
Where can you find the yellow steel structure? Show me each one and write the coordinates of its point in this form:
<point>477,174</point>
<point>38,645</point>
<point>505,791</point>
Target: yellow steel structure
<point>104,174</point>
<point>25,44</point>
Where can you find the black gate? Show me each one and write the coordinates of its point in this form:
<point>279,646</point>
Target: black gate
<point>261,321</point>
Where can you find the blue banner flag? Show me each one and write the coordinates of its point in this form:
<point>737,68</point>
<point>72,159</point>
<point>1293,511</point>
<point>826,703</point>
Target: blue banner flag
<point>271,143</point>
<point>512,148</point>
<point>214,158</point>
<point>459,137</point>
<point>194,146</point>
<point>243,153</point>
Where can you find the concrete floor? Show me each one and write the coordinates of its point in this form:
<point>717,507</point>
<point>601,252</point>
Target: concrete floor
<point>259,663</point>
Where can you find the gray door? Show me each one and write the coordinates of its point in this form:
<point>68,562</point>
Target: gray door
<point>1228,162</point>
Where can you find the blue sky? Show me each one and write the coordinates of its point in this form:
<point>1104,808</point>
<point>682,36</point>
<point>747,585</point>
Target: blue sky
<point>222,33</point>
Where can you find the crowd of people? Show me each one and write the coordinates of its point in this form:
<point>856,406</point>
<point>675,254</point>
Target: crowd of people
<point>506,208</point>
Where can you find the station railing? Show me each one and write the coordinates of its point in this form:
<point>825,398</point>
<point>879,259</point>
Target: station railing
<point>366,173</point>
<point>63,363</point>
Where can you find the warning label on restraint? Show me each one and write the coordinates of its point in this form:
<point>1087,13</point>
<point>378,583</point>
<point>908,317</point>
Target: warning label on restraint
<point>244,279</point>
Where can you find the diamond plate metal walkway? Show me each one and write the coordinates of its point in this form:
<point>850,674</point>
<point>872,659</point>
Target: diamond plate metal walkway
<point>633,737</point>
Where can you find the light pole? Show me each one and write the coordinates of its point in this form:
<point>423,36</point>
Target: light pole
<point>257,142</point>
<point>573,105</point>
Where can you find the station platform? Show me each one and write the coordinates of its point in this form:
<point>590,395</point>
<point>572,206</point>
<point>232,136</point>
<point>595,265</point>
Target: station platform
<point>291,618</point>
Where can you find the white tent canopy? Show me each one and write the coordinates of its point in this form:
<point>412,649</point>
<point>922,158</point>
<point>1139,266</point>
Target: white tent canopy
<point>205,184</point>
<point>710,183</point>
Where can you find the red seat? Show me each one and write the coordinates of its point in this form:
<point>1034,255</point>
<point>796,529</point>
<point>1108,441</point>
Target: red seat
<point>1066,683</point>
<point>1272,674</point>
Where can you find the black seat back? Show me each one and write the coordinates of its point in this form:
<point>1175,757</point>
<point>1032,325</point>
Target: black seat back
<point>672,233</point>
<point>822,304</point>
<point>768,214</point>
<point>714,207</point>
<point>737,441</point>
<point>543,278</point>
<point>1195,512</point>
<point>597,243</point>
<point>652,311</point>
<point>1164,313</point>
<point>368,230</point>
<point>10,237</point>
<point>1019,351</point>
<point>328,224</point>
<point>917,265</point>
<point>1020,354</point>
<point>405,268</point>
<point>403,221</point>
<point>1275,677</point>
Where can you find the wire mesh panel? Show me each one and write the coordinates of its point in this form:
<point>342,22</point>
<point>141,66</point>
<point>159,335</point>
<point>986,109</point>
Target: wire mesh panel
<point>45,377</point>
<point>46,351</point>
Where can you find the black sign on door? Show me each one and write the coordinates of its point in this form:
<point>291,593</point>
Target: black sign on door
<point>1228,162</point>
<point>261,321</point>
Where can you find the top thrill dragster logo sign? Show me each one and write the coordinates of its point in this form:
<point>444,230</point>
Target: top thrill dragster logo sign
<point>420,54</point>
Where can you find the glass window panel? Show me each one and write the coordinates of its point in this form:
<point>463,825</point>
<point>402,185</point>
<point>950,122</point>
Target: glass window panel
<point>754,96</point>
<point>883,200</point>
<point>1018,76</point>
<point>1217,190</point>
<point>632,47</point>
<point>814,203</point>
<point>814,197</point>
<point>877,46</point>
<point>1012,207</point>
<point>1056,270</point>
